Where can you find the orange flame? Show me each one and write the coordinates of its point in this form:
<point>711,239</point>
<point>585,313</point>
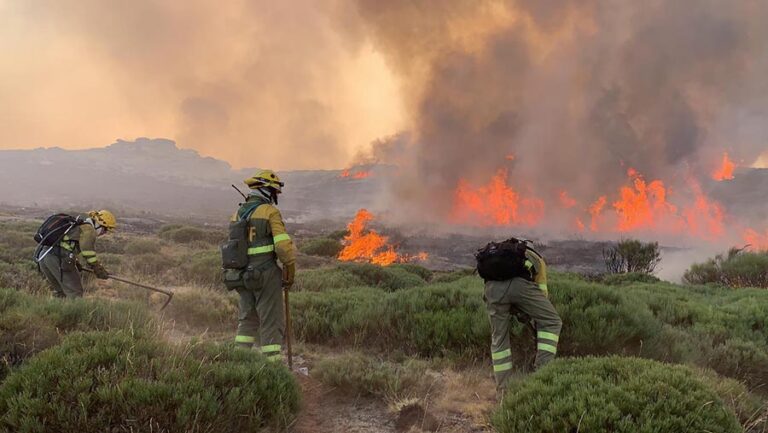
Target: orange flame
<point>705,217</point>
<point>494,204</point>
<point>357,175</point>
<point>595,210</point>
<point>756,240</point>
<point>725,171</point>
<point>643,204</point>
<point>566,200</point>
<point>510,157</point>
<point>369,246</point>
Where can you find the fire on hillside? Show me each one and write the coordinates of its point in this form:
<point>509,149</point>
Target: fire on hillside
<point>366,245</point>
<point>639,206</point>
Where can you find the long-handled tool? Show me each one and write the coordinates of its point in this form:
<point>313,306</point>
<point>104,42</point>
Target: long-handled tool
<point>143,286</point>
<point>288,328</point>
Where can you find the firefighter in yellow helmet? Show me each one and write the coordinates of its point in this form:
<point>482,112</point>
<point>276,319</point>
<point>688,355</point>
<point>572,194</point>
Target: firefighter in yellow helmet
<point>73,250</point>
<point>260,283</point>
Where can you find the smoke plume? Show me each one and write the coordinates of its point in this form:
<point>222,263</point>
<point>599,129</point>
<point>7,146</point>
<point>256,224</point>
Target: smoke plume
<point>572,93</point>
<point>257,83</point>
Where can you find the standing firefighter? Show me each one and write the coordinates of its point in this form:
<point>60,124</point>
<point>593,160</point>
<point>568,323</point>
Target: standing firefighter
<point>516,283</point>
<point>257,239</point>
<point>67,243</point>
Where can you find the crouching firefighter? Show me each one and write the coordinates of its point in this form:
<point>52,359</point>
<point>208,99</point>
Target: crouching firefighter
<point>257,239</point>
<point>516,284</point>
<point>66,244</point>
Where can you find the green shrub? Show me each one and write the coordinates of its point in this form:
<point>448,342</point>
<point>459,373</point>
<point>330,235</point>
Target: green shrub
<point>23,275</point>
<point>449,277</point>
<point>112,244</point>
<point>142,246</point>
<point>97,382</point>
<point>317,280</point>
<point>423,273</point>
<point>15,240</point>
<point>385,277</point>
<point>365,375</point>
<point>197,308</point>
<point>338,234</point>
<point>631,255</point>
<point>736,269</point>
<point>202,268</point>
<point>612,394</point>
<point>325,247</point>
<point>148,264</point>
<point>628,278</point>
<point>30,324</point>
<point>188,234</point>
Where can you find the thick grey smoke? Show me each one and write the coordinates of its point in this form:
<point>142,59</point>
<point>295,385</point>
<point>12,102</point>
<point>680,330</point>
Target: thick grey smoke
<point>578,91</point>
<point>253,82</point>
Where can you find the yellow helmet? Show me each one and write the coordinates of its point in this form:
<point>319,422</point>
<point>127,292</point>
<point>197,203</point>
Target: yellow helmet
<point>264,178</point>
<point>104,218</point>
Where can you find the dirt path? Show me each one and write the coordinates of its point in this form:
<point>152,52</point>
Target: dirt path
<point>325,410</point>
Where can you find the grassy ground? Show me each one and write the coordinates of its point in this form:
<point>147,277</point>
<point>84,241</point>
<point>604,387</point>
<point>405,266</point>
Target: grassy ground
<point>404,335</point>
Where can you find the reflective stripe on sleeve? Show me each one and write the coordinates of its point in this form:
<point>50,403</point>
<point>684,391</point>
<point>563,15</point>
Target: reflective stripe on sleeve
<point>548,336</point>
<point>260,250</point>
<point>501,355</point>
<point>92,260</point>
<point>547,347</point>
<point>543,287</point>
<point>528,264</point>
<point>66,246</point>
<point>281,237</point>
<point>502,367</point>
<point>88,253</point>
<point>244,339</point>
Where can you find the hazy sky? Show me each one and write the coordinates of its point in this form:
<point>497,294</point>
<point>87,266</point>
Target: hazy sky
<point>253,82</point>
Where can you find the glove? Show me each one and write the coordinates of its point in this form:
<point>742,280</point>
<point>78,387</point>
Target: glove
<point>289,272</point>
<point>100,272</point>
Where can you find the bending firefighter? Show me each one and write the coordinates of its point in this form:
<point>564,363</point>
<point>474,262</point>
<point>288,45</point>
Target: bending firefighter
<point>257,239</point>
<point>66,245</point>
<point>516,283</point>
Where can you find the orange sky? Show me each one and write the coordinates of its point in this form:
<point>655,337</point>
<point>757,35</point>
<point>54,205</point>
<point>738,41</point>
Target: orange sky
<point>251,83</point>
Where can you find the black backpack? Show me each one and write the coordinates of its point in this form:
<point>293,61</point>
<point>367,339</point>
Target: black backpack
<point>53,229</point>
<point>234,252</point>
<point>500,261</point>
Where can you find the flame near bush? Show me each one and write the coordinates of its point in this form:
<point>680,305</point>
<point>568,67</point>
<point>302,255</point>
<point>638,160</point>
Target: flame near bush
<point>369,246</point>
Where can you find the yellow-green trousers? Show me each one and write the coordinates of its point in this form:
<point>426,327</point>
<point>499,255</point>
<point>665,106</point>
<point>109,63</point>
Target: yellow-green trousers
<point>62,274</point>
<point>261,318</point>
<point>505,298</point>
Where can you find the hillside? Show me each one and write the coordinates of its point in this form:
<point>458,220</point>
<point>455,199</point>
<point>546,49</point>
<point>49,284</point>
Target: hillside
<point>155,175</point>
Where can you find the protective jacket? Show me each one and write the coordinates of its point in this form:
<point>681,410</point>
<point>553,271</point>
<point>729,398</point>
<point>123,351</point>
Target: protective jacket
<point>261,309</point>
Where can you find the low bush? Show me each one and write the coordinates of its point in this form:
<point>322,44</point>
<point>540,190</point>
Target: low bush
<point>631,255</point>
<point>735,269</point>
<point>12,239</point>
<point>30,324</point>
<point>325,247</point>
<point>142,246</point>
<point>613,394</point>
<point>202,268</point>
<point>449,277</point>
<point>96,382</point>
<point>322,279</point>
<point>422,272</point>
<point>189,234</point>
<point>366,375</point>
<point>23,275</point>
<point>385,277</point>
<point>338,234</point>
<point>197,308</point>
<point>628,278</point>
<point>148,264</point>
